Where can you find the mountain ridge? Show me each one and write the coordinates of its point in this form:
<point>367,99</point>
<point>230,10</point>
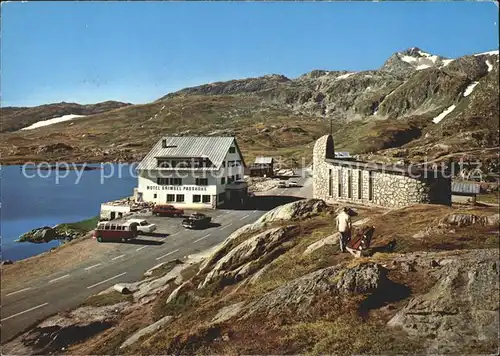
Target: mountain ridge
<point>399,110</point>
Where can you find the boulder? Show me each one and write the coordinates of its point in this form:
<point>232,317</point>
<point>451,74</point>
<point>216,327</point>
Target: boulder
<point>147,289</point>
<point>146,331</point>
<point>247,257</point>
<point>461,308</point>
<point>62,330</point>
<point>297,295</point>
<point>39,235</point>
<point>227,313</point>
<point>54,147</point>
<point>462,220</point>
<point>329,240</point>
<point>297,210</point>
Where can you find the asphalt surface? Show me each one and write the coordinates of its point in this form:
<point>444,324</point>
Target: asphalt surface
<point>69,288</point>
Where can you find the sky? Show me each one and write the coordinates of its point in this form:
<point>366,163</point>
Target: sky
<point>136,52</point>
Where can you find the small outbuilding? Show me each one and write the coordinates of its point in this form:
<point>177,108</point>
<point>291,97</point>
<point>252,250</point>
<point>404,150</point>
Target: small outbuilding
<point>262,167</point>
<point>464,192</point>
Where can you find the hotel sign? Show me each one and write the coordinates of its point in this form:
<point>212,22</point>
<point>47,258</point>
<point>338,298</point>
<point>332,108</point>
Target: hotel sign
<point>178,188</point>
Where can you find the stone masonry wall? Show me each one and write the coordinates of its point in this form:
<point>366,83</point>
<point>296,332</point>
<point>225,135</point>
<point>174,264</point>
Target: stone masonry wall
<point>388,189</point>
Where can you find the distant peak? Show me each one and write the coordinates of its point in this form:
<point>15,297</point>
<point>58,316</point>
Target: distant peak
<point>412,51</point>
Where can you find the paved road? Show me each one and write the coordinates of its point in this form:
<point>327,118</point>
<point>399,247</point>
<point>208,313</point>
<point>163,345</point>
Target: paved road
<point>67,289</point>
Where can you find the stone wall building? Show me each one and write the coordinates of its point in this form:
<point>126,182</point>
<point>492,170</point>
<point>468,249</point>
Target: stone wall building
<point>394,186</point>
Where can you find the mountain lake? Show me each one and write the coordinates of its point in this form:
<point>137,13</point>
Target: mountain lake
<point>32,198</point>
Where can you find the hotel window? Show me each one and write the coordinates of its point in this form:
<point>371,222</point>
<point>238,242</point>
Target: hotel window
<point>206,198</point>
<point>330,183</point>
<point>170,197</point>
<point>230,179</point>
<point>162,181</point>
<point>230,163</point>
<point>232,149</point>
<point>179,198</point>
<point>162,163</point>
<point>370,185</point>
<point>175,181</point>
<point>238,177</point>
<point>201,181</point>
<point>360,184</point>
<point>339,192</point>
<point>155,196</point>
<point>223,164</point>
<point>223,180</point>
<point>196,198</point>
<point>349,184</point>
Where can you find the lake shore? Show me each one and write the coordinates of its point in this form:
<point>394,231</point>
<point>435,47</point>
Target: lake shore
<point>69,167</point>
<point>66,256</point>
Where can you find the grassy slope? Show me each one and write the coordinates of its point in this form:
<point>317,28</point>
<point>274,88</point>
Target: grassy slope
<point>15,118</point>
<point>128,133</point>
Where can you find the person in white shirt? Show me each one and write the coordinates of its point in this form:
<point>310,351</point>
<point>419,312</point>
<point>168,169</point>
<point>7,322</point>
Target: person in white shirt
<point>344,226</point>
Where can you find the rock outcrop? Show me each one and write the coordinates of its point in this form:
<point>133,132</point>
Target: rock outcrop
<point>297,295</point>
<point>294,211</point>
<point>39,235</point>
<point>250,255</point>
<point>56,333</point>
<point>329,240</point>
<point>300,209</point>
<point>46,234</point>
<point>461,309</point>
<point>147,331</point>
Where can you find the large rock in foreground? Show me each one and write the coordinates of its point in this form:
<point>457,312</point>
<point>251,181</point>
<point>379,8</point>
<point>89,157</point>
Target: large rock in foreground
<point>300,209</point>
<point>461,309</point>
<point>296,296</point>
<point>250,255</point>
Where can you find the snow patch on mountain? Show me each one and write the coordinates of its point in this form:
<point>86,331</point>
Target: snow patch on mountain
<point>470,88</point>
<point>490,53</point>
<point>432,57</point>
<point>343,76</point>
<point>52,121</point>
<point>490,66</point>
<point>441,116</point>
<point>408,59</point>
<point>419,59</point>
<point>447,61</point>
<point>423,66</point>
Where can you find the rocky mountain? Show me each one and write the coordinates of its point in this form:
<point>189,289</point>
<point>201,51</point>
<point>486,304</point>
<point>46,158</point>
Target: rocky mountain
<point>15,118</point>
<point>416,106</point>
<point>412,82</point>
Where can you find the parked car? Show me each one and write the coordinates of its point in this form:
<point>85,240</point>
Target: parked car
<point>282,184</point>
<point>293,183</point>
<point>115,231</point>
<point>167,210</point>
<point>143,225</point>
<point>196,221</point>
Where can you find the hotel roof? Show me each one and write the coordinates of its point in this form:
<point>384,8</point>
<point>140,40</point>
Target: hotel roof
<point>213,148</point>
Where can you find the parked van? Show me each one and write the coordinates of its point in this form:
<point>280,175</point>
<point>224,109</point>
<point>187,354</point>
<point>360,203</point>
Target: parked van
<point>115,231</point>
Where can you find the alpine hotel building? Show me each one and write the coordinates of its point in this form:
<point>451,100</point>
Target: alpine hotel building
<point>193,172</point>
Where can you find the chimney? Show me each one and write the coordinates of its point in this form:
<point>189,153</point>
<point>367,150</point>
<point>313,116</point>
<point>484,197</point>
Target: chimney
<point>164,143</point>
